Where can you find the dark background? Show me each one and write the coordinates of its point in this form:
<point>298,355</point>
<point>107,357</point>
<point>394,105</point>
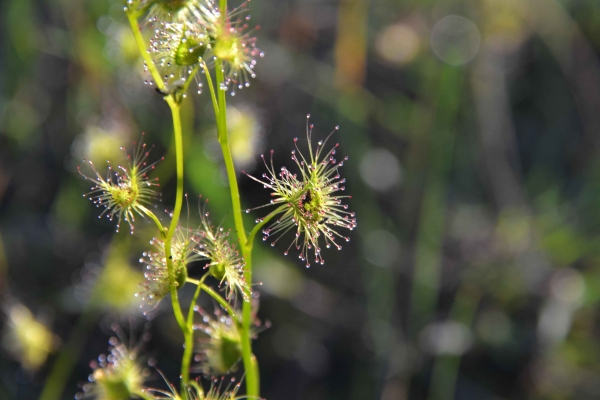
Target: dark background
<point>473,130</point>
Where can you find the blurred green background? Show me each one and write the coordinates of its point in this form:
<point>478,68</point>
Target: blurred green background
<point>473,130</point>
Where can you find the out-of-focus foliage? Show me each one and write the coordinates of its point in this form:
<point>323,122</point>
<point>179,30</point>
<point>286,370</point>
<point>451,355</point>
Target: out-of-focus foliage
<point>29,340</point>
<point>473,132</point>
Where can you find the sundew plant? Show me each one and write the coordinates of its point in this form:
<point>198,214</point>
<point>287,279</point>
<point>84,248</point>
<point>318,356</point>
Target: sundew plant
<point>203,44</point>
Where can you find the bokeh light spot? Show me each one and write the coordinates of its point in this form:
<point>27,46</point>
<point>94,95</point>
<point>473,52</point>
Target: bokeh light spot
<point>380,169</point>
<point>398,44</point>
<point>455,40</point>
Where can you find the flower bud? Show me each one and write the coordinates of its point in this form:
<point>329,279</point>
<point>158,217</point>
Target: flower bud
<point>158,282</point>
<point>113,386</point>
<point>189,51</point>
<point>221,351</point>
<point>224,261</point>
<point>217,270</point>
<point>128,192</point>
<point>177,50</point>
<point>231,43</point>
<point>117,376</point>
<point>172,5</point>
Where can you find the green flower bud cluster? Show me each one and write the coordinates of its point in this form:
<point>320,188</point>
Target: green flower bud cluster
<point>191,34</point>
<point>206,243</point>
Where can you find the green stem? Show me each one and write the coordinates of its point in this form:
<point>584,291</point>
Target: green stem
<point>187,83</point>
<point>221,301</point>
<point>187,355</point>
<point>212,91</point>
<point>154,218</point>
<point>200,283</point>
<point>250,363</point>
<point>223,9</point>
<point>224,303</point>
<point>179,163</point>
<point>175,112</point>
<point>62,367</point>
<point>224,141</point>
<point>139,39</point>
<point>262,223</point>
<point>189,339</point>
<point>176,212</point>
